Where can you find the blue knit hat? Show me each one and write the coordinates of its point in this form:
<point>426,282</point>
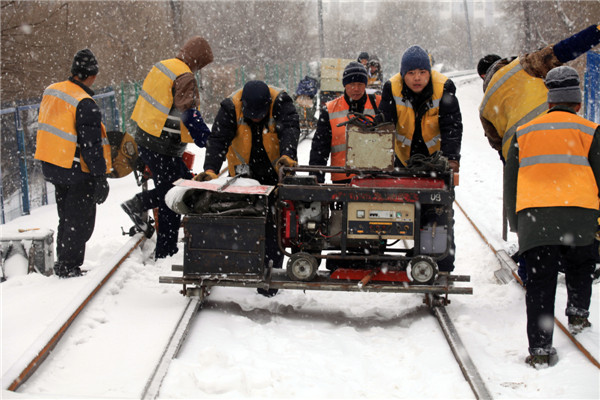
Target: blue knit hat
<point>355,72</point>
<point>415,57</point>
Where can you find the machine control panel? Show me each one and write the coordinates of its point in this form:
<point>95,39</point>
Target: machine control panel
<point>381,220</point>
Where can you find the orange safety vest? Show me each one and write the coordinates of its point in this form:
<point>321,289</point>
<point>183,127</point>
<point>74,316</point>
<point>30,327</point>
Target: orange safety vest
<point>513,98</point>
<point>156,99</point>
<point>56,141</point>
<point>338,113</point>
<point>239,150</point>
<point>430,124</point>
<point>554,148</point>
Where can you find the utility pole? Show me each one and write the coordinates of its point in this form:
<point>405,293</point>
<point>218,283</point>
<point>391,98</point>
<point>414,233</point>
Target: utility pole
<point>321,37</point>
<point>471,62</point>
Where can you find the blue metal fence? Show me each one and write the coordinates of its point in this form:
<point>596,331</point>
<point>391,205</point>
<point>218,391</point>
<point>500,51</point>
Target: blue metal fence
<point>592,87</point>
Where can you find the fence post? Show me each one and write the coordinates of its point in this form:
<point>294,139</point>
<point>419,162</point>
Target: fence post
<point>22,161</point>
<point>2,218</point>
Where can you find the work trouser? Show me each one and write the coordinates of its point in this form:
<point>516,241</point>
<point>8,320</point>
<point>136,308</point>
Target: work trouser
<point>165,170</point>
<point>76,220</point>
<point>543,264</point>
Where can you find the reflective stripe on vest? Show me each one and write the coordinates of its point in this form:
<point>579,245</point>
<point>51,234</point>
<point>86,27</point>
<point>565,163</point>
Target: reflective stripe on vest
<point>56,141</point>
<point>554,148</point>
<point>239,150</point>
<point>338,112</point>
<point>155,102</point>
<point>430,125</point>
<point>513,98</point>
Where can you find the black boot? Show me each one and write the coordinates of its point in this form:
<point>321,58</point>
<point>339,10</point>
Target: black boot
<point>133,207</point>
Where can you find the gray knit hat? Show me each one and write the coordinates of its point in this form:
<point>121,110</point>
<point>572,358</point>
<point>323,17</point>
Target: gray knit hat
<point>563,85</point>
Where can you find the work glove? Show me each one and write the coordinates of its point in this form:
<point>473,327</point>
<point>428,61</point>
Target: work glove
<point>192,119</point>
<point>207,175</point>
<point>284,161</point>
<point>100,189</point>
<point>454,165</point>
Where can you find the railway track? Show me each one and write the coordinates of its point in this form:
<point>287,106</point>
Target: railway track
<point>39,351</point>
<point>508,271</point>
<point>35,356</point>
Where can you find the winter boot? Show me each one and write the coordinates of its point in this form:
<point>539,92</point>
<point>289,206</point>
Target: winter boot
<point>577,324</point>
<point>267,292</point>
<point>63,270</point>
<point>542,358</point>
<point>133,207</point>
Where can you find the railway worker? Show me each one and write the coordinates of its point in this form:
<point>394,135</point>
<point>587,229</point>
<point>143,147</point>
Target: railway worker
<point>167,120</point>
<point>73,147</point>
<point>363,58</point>
<point>375,76</point>
<point>256,126</point>
<point>330,138</point>
<point>514,87</point>
<point>422,104</point>
<point>551,183</point>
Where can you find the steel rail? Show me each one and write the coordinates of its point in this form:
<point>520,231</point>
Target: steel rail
<point>512,266</point>
<point>459,350</point>
<point>152,388</point>
<point>38,353</point>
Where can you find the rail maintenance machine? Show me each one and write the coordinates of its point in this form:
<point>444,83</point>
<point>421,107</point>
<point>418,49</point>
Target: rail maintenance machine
<point>384,230</point>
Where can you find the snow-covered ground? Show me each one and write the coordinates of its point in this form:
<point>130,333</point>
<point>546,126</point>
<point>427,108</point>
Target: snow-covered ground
<point>297,344</point>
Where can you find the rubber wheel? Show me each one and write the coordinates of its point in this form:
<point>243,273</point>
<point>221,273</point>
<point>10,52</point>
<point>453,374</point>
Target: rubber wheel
<point>302,267</point>
<point>423,270</point>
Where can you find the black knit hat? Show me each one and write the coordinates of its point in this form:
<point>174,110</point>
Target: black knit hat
<point>563,85</point>
<point>84,64</point>
<point>363,56</point>
<point>256,99</point>
<point>415,57</point>
<point>486,62</point>
<point>355,72</point>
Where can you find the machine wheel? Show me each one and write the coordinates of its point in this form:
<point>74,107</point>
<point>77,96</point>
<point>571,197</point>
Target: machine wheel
<point>422,270</point>
<point>302,267</point>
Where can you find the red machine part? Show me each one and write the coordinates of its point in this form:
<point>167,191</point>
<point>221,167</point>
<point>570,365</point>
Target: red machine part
<point>290,223</point>
<point>405,182</point>
<point>360,274</point>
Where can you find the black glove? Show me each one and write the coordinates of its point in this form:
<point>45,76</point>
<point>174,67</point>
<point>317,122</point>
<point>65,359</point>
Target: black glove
<point>100,189</point>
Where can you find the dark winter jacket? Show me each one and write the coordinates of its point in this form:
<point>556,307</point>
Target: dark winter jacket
<point>321,143</point>
<point>550,225</point>
<point>225,127</point>
<point>450,118</point>
<point>88,123</point>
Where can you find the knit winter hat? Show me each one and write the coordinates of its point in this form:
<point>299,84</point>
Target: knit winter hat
<point>563,85</point>
<point>415,57</point>
<point>363,56</point>
<point>354,72</point>
<point>84,64</point>
<point>486,62</point>
<point>256,99</point>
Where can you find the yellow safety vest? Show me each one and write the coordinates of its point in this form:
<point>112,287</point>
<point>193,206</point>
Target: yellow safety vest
<point>338,113</point>
<point>554,148</point>
<point>56,141</point>
<point>239,150</point>
<point>513,98</point>
<point>430,124</point>
<point>156,99</point>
